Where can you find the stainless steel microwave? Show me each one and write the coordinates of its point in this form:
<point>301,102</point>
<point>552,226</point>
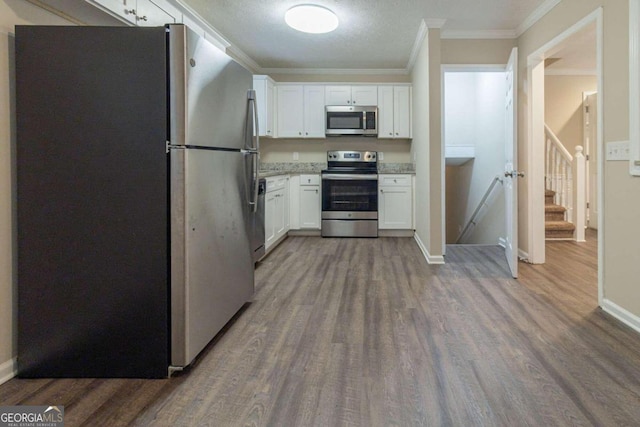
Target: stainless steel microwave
<point>351,120</point>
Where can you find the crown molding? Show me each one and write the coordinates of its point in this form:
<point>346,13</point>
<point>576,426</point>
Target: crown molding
<point>434,23</point>
<point>536,15</point>
<point>244,59</point>
<point>336,71</point>
<point>479,34</point>
<point>421,36</point>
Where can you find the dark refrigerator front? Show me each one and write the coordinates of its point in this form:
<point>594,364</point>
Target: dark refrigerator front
<point>92,202</point>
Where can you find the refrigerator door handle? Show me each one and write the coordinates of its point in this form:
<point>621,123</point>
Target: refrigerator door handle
<point>254,150</point>
<point>251,179</point>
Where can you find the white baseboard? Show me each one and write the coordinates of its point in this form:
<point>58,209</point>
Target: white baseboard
<point>396,233</point>
<point>8,370</point>
<point>621,314</point>
<point>431,259</point>
<point>522,255</point>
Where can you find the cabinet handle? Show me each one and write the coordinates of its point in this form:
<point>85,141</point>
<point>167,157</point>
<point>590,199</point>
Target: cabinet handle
<point>396,133</point>
<point>141,18</point>
<point>300,133</point>
<point>381,190</point>
<point>390,133</point>
<point>130,12</point>
<point>348,102</point>
<point>316,191</point>
<point>306,133</point>
<point>395,180</point>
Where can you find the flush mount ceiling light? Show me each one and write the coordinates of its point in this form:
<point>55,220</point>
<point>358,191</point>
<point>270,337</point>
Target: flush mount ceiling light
<point>310,18</point>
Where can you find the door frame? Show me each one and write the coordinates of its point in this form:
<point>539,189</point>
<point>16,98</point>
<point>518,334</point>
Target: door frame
<point>455,68</point>
<point>536,158</point>
<point>589,154</point>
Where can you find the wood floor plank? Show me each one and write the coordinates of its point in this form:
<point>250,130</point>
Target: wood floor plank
<point>363,332</point>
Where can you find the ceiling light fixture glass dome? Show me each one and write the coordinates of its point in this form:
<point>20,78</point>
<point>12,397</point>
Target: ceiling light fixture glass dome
<point>311,18</point>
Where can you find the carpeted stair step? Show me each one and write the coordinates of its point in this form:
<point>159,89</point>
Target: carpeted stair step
<point>558,229</point>
<point>548,197</point>
<point>554,212</point>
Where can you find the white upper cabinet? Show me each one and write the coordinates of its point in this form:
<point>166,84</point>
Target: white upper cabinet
<point>265,91</point>
<point>351,95</point>
<point>144,13</point>
<point>300,111</point>
<point>394,112</point>
<point>314,101</point>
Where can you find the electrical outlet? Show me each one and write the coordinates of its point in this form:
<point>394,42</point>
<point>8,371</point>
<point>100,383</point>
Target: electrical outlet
<point>380,155</point>
<point>617,150</point>
<point>296,155</point>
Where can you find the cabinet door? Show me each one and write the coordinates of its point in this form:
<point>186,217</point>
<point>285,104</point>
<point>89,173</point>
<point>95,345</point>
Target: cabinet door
<point>314,126</point>
<point>279,216</point>
<point>270,218</point>
<point>364,95</point>
<point>310,206</point>
<point>264,100</point>
<point>338,95</point>
<point>125,9</point>
<point>149,14</point>
<point>402,112</point>
<point>290,111</point>
<point>395,208</point>
<point>385,112</point>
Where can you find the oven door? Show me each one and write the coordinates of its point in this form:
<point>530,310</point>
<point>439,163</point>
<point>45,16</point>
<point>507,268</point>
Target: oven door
<point>349,196</point>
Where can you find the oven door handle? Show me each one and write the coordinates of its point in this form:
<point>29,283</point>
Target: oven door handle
<point>350,177</point>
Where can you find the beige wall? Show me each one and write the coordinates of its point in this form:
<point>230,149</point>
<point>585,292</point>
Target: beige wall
<point>12,12</point>
<point>420,145</point>
<point>462,51</point>
<point>563,106</point>
<point>621,232</point>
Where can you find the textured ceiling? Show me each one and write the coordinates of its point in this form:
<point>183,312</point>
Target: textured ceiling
<point>373,34</point>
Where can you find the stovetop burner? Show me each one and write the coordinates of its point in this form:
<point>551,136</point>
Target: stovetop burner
<point>352,162</point>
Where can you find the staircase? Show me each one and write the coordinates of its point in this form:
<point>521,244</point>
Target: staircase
<point>555,226</point>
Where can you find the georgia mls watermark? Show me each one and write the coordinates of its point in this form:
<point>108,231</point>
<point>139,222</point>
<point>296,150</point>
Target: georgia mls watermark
<point>31,416</point>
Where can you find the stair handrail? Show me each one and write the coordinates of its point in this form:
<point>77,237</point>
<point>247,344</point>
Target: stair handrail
<point>557,143</point>
<point>559,172</point>
<point>476,212</point>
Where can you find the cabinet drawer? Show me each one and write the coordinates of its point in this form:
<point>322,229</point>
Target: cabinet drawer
<point>394,180</point>
<point>275,183</point>
<point>309,180</point>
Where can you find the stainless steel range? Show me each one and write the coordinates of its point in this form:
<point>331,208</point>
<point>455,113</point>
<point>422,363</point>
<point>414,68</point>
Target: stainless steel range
<point>350,194</point>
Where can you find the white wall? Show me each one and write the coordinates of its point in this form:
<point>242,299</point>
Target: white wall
<point>474,115</point>
<point>12,12</point>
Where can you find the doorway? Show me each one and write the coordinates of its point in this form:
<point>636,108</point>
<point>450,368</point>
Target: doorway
<point>536,73</point>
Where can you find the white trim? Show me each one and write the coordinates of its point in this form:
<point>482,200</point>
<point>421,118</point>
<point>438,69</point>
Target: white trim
<point>336,71</point>
<point>431,259</point>
<point>600,149</point>
<point>536,155</point>
<point>634,86</point>
<point>221,42</point>
<point>244,59</point>
<point>435,23</point>
<point>523,256</point>
<point>421,36</point>
<point>479,34</point>
<point>8,370</point>
<point>570,72</point>
<point>621,314</point>
<point>537,14</point>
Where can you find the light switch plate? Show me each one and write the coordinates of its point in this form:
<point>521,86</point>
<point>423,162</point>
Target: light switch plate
<point>296,155</point>
<point>617,150</point>
<point>380,155</point>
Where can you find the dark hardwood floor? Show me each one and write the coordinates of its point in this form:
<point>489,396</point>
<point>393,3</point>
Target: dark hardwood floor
<point>363,332</point>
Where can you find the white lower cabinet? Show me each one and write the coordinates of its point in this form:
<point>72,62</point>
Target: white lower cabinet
<point>276,214</point>
<point>310,202</point>
<point>395,202</point>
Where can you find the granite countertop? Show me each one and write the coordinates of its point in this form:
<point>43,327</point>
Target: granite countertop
<point>284,168</point>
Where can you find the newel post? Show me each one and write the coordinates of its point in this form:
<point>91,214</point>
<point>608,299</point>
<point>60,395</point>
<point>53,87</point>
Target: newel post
<point>579,196</point>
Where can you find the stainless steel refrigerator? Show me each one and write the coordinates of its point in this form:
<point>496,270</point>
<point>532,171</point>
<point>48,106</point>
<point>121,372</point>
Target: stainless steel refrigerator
<point>136,197</point>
